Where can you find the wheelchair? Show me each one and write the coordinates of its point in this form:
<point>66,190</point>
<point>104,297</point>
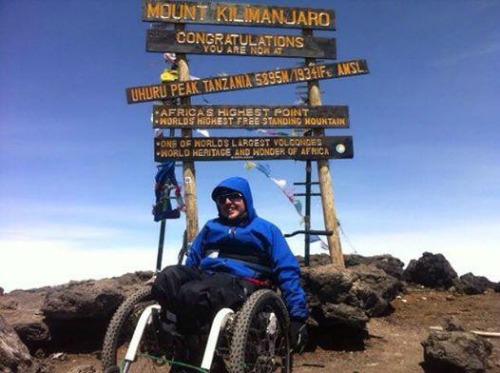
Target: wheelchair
<point>254,338</point>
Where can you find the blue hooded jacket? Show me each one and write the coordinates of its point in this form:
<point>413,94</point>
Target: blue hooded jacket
<point>252,248</point>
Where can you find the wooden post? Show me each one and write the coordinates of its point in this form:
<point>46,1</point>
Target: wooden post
<point>189,172</point>
<point>325,179</point>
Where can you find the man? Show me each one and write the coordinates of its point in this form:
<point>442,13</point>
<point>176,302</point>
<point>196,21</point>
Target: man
<point>232,256</point>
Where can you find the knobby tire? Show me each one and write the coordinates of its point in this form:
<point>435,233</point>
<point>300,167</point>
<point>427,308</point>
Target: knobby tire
<point>120,328</point>
<point>249,349</point>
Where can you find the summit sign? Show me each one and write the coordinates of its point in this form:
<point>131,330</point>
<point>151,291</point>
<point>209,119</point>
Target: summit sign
<point>202,42</point>
<point>160,92</point>
<point>245,148</point>
<point>236,14</point>
<point>244,116</point>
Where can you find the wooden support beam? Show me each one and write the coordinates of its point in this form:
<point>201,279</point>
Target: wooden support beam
<point>189,172</point>
<point>325,179</point>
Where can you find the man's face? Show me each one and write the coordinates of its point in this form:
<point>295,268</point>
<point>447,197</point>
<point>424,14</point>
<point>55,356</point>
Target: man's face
<point>231,205</point>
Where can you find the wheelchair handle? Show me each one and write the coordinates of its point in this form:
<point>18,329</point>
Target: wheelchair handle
<point>318,233</point>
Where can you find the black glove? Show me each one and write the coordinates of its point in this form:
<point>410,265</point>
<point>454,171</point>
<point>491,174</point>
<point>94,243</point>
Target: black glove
<point>298,335</point>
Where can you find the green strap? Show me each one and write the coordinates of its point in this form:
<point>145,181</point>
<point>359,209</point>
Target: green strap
<point>163,360</point>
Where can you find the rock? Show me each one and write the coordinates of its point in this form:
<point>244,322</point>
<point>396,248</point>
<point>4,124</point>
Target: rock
<point>343,314</point>
<point>455,351</point>
<point>40,354</point>
<point>78,313</point>
<point>453,324</point>
<point>497,288</point>
<point>374,290</point>
<point>387,263</point>
<point>59,356</point>
<point>9,305</point>
<point>473,285</point>
<point>33,332</point>
<point>326,284</point>
<point>348,297</point>
<point>90,299</point>
<point>75,315</point>
<point>315,260</point>
<point>87,368</point>
<point>431,270</point>
<point>14,355</point>
<point>21,310</point>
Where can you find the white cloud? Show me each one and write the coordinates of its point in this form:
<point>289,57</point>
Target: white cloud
<point>41,211</point>
<point>29,264</point>
<point>468,248</point>
<point>89,252</point>
<point>55,231</point>
<point>65,243</point>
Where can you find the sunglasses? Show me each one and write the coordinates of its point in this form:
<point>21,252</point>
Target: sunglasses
<point>232,196</point>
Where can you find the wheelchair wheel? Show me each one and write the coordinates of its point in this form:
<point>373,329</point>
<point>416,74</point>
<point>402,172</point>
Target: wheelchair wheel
<point>260,342</point>
<point>119,333</point>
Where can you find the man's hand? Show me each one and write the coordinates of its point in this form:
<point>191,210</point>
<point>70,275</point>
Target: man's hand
<point>298,335</point>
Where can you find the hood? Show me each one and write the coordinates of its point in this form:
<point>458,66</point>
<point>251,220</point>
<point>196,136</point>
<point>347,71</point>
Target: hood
<point>240,185</point>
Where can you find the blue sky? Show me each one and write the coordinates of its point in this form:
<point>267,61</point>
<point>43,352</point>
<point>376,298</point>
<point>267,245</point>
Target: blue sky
<point>76,162</point>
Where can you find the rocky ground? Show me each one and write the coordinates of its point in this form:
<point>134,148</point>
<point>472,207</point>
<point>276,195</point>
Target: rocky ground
<point>392,342</point>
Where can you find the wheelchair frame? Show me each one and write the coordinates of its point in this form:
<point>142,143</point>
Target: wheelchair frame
<point>262,301</point>
<point>146,318</point>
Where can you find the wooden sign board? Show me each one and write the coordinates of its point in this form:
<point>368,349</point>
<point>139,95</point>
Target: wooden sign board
<point>241,116</point>
<point>160,92</point>
<point>244,148</point>
<point>206,12</point>
<point>240,44</point>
